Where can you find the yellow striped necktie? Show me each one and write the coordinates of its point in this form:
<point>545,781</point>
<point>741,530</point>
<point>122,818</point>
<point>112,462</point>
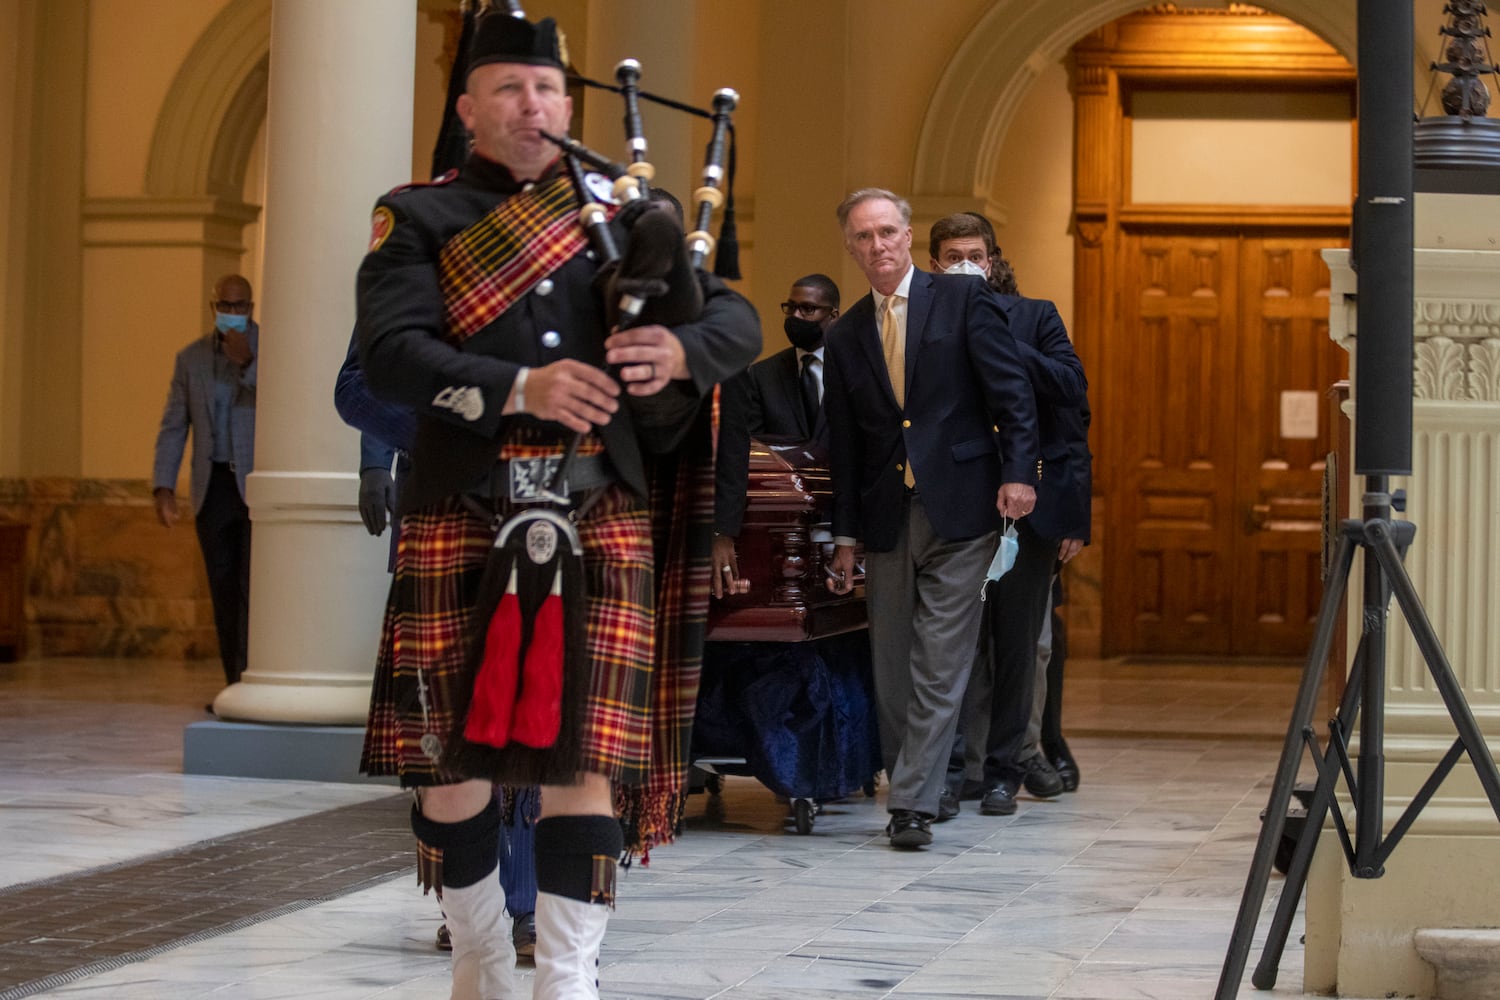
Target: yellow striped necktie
<point>895,363</point>
<point>895,350</point>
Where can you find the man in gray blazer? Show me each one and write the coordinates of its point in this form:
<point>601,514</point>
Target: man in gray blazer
<point>213,394</point>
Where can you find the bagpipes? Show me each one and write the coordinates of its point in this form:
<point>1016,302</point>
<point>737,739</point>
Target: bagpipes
<point>527,651</point>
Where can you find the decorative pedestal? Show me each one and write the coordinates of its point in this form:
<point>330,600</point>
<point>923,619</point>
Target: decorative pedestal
<point>1361,934</point>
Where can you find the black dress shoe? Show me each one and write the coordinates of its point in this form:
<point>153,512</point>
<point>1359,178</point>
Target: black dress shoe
<point>1067,769</point>
<point>909,830</point>
<point>947,806</point>
<point>1039,778</point>
<point>1000,800</point>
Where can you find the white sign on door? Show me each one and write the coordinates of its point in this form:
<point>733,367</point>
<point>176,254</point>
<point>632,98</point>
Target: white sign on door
<point>1299,414</point>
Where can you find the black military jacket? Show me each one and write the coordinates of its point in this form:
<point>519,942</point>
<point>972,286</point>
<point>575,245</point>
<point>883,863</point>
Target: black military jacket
<point>458,392</point>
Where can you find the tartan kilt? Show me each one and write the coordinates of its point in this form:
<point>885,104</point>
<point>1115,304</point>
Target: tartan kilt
<point>425,635</point>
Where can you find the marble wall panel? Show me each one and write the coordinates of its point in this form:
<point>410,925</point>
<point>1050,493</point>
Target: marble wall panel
<point>103,578</point>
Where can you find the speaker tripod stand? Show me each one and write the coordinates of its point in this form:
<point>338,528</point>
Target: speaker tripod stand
<point>1384,543</point>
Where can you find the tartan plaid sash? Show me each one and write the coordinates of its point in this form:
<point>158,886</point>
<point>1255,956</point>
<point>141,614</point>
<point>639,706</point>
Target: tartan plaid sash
<point>488,266</point>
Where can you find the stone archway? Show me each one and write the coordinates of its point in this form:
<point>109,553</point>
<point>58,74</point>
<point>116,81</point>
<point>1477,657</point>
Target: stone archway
<point>186,226</point>
<point>964,129</point>
<point>214,108</point>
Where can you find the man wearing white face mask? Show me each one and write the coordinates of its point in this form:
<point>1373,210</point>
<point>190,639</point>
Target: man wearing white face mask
<point>213,394</point>
<point>998,705</point>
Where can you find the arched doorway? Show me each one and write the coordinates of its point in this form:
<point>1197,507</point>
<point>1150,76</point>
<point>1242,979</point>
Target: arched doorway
<point>971,109</point>
<point>966,142</point>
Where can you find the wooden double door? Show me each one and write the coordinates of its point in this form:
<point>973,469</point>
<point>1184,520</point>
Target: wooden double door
<point>1218,431</point>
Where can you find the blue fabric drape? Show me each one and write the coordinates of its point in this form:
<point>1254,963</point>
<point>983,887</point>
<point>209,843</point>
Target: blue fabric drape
<point>801,714</point>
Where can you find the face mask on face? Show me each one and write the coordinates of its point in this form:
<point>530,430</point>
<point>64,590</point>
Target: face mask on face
<point>965,267</point>
<point>805,334</point>
<point>231,322</point>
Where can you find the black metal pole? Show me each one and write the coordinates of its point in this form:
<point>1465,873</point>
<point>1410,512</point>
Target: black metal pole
<point>1383,237</point>
<point>1383,356</point>
<point>1369,804</point>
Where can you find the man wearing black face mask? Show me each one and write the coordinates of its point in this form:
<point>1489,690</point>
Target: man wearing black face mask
<point>778,401</point>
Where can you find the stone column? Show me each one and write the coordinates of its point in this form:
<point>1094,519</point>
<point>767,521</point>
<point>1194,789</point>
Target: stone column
<point>1361,933</point>
<point>338,136</point>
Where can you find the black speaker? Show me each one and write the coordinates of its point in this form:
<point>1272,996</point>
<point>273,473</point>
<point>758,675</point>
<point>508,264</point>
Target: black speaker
<point>1383,241</point>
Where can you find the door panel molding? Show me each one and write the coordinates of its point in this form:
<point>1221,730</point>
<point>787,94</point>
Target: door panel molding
<point>1293,217</point>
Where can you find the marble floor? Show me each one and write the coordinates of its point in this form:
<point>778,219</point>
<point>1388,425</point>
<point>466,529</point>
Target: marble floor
<point>1125,889</point>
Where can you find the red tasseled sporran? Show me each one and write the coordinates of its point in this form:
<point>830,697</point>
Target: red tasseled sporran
<point>529,658</point>
<point>538,714</point>
<point>494,703</point>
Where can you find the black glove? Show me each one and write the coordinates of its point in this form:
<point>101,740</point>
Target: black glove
<point>375,496</point>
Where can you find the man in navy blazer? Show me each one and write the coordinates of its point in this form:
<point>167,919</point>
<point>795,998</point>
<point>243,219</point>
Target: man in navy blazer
<point>932,437</point>
<point>778,400</point>
<point>998,706</point>
<point>213,395</point>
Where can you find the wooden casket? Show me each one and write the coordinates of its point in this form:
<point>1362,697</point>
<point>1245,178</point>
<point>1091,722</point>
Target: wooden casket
<point>784,547</point>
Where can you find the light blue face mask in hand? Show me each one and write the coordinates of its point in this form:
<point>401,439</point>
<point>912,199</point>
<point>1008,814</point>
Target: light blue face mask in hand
<point>1005,556</point>
<point>228,322</point>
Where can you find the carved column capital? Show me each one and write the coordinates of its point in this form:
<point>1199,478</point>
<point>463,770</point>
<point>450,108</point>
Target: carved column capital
<point>1457,349</point>
<point>1455,322</point>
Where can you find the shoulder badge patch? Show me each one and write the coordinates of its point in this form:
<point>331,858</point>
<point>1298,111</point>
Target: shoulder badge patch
<point>465,400</point>
<point>381,225</point>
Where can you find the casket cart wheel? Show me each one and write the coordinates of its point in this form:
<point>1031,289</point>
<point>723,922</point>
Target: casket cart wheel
<point>803,811</point>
